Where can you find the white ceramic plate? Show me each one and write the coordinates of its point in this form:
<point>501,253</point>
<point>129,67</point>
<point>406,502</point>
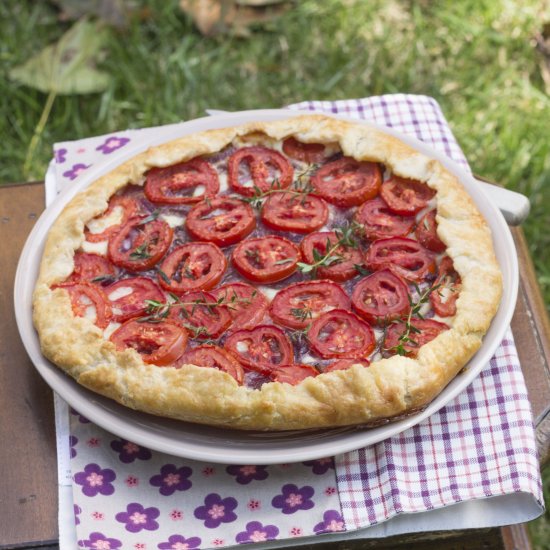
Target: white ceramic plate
<point>221,444</point>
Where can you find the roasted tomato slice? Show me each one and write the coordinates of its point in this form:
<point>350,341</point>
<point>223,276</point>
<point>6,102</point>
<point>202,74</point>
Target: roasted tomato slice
<point>266,259</point>
<point>401,341</point>
<point>345,258</point>
<point>381,297</point>
<point>192,266</point>
<point>297,305</point>
<point>200,313</point>
<point>258,167</point>
<point>160,343</point>
<point>120,210</point>
<point>294,212</point>
<point>404,196</point>
<point>341,334</point>
<point>87,300</point>
<point>305,152</point>
<point>347,182</point>
<point>345,364</point>
<point>214,357</point>
<point>261,349</point>
<point>221,221</point>
<point>140,244</point>
<point>377,221</point>
<point>128,297</point>
<point>426,233</point>
<point>444,298</point>
<point>292,374</point>
<point>246,305</point>
<point>403,256</point>
<point>92,268</point>
<point>178,184</point>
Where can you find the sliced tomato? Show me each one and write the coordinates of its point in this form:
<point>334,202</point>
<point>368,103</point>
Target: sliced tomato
<point>305,152</point>
<point>91,268</point>
<point>192,266</point>
<point>246,305</point>
<point>292,374</point>
<point>177,184</point>
<point>295,213</point>
<point>345,258</point>
<point>426,233</point>
<point>87,300</point>
<point>424,331</point>
<point>261,349</point>
<point>404,196</point>
<point>345,364</point>
<point>381,297</point>
<point>160,343</point>
<point>129,209</point>
<point>200,313</point>
<point>347,182</point>
<point>258,167</point>
<point>266,259</point>
<point>140,244</point>
<point>297,305</point>
<point>444,298</point>
<point>341,334</point>
<point>405,257</point>
<point>222,221</point>
<point>377,221</point>
<point>128,297</point>
<point>214,357</point>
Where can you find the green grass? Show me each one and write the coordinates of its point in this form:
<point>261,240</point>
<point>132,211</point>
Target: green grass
<point>476,57</point>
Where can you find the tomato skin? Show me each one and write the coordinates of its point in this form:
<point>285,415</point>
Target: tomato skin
<point>94,296</point>
<point>405,257</point>
<point>381,297</point>
<point>214,320</point>
<point>341,334</point>
<point>313,296</point>
<point>266,259</point>
<point>304,152</point>
<point>88,267</point>
<point>192,266</point>
<point>404,196</point>
<point>291,212</point>
<point>130,209</point>
<point>223,229</point>
<point>159,343</point>
<point>377,221</point>
<point>426,233</point>
<point>243,315</point>
<point>347,182</point>
<point>214,357</point>
<point>258,160</point>
<point>345,364</point>
<point>153,238</point>
<point>132,304</point>
<point>162,184</point>
<point>267,347</point>
<point>338,271</point>
<point>449,279</point>
<point>429,329</point>
<point>292,374</point>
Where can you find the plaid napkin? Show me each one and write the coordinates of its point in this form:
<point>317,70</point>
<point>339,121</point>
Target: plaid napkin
<point>123,496</point>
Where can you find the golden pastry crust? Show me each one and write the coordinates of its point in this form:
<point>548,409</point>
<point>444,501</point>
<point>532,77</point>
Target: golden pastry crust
<point>388,388</point>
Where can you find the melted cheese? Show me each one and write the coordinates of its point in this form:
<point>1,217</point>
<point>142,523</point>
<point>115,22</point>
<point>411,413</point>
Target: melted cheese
<point>172,220</point>
<point>98,225</point>
<point>95,248</point>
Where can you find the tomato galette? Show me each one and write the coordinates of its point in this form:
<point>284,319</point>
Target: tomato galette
<point>302,273</point>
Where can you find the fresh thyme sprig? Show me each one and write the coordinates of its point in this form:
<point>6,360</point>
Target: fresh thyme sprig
<point>302,313</point>
<point>140,253</point>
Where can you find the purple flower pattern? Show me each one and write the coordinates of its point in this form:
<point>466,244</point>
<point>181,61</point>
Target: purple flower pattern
<point>60,155</point>
<point>77,511</point>
<point>128,451</point>
<point>95,481</point>
<point>293,499</point>
<point>333,522</point>
<point>76,170</point>
<point>321,465</point>
<point>72,442</point>
<point>256,532</point>
<point>172,479</point>
<point>99,541</point>
<point>177,542</point>
<point>137,518</point>
<point>216,510</point>
<point>80,417</point>
<point>112,144</point>
<point>245,474</point>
